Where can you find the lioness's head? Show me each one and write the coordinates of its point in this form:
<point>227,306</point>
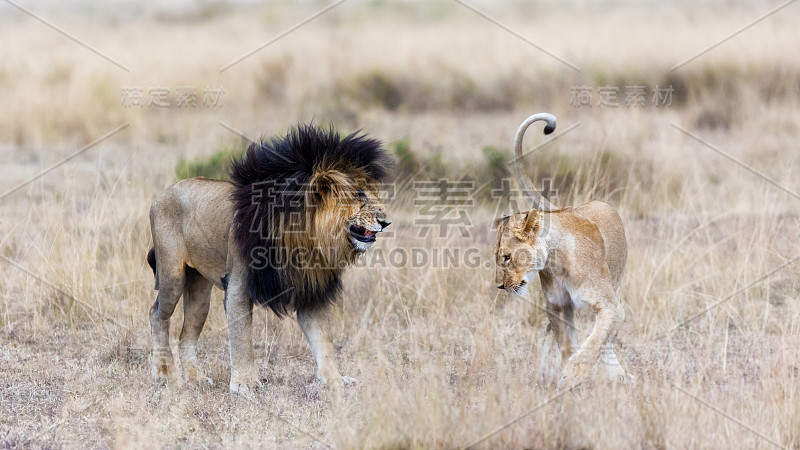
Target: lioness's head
<point>520,250</point>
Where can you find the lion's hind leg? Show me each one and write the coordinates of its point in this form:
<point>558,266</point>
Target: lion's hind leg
<point>196,302</point>
<point>169,292</point>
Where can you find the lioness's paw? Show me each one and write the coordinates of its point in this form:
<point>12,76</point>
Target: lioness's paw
<point>244,385</point>
<point>349,381</point>
<point>615,373</point>
<point>571,376</point>
<point>322,381</point>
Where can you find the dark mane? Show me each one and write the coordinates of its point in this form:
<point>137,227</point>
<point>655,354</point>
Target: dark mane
<point>271,187</point>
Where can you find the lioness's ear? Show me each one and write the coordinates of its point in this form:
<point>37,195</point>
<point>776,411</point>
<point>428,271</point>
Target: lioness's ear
<point>531,223</point>
<point>501,220</point>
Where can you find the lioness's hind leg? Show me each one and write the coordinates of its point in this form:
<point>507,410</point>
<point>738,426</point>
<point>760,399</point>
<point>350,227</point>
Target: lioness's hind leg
<point>196,302</point>
<point>613,368</point>
<point>601,300</point>
<point>611,365</point>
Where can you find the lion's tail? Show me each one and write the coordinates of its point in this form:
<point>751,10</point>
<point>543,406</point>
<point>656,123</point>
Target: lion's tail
<point>539,202</point>
<point>151,259</point>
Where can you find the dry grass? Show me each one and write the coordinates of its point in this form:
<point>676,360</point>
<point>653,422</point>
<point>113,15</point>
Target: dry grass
<point>442,358</point>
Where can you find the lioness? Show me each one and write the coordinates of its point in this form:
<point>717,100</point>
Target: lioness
<point>297,212</point>
<point>579,254</point>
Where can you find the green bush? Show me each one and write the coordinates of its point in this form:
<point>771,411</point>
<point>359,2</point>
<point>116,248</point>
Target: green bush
<point>215,165</point>
<point>496,167</point>
<point>407,163</point>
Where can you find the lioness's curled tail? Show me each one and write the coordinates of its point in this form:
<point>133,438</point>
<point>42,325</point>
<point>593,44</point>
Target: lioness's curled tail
<point>539,202</point>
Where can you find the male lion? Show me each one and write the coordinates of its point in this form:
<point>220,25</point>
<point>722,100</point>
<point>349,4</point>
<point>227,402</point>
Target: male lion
<point>579,254</point>
<point>297,212</point>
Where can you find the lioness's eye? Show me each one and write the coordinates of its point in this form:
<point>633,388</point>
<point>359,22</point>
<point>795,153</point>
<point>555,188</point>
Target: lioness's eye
<point>507,257</point>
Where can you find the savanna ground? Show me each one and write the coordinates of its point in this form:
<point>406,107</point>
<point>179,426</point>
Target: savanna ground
<point>442,357</point>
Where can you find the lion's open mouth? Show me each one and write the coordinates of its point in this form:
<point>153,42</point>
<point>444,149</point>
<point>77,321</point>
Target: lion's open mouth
<point>362,234</point>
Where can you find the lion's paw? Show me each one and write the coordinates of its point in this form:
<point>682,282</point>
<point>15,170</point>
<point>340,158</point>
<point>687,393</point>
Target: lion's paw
<point>162,373</point>
<point>194,374</point>
<point>204,380</point>
<point>336,381</point>
<point>244,385</point>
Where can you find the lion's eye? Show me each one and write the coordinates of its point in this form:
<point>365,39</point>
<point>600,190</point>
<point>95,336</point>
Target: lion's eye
<point>507,257</point>
<point>361,195</point>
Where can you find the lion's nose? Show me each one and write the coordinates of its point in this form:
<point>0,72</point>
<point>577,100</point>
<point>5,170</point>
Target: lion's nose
<point>384,222</point>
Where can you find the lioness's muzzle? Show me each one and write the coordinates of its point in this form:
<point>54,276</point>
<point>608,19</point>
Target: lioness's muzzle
<point>521,284</point>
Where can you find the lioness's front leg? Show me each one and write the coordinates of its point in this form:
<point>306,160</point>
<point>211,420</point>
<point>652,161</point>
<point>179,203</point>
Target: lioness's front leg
<point>239,312</point>
<point>560,314</point>
<point>561,323</point>
<point>315,324</point>
<point>602,301</point>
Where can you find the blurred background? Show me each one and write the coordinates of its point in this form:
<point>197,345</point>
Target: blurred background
<point>684,115</point>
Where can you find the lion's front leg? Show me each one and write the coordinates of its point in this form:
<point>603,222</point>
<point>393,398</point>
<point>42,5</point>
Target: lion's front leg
<point>315,324</point>
<point>239,312</point>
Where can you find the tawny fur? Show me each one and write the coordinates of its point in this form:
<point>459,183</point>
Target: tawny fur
<point>579,254</point>
<point>195,247</point>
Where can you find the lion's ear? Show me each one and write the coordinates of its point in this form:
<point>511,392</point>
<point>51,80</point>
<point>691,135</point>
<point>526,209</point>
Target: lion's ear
<point>500,221</point>
<point>326,184</point>
<point>531,222</point>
